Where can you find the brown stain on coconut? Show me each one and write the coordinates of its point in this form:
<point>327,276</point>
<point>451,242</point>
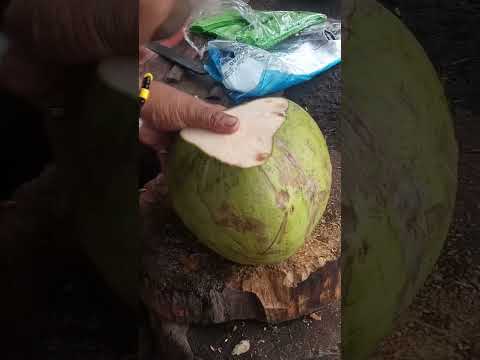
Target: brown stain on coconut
<point>226,216</point>
<point>262,156</point>
<point>291,174</point>
<point>282,199</point>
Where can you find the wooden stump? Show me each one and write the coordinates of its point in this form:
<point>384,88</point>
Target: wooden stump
<point>185,282</point>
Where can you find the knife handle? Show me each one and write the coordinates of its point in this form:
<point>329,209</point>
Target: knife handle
<point>145,89</point>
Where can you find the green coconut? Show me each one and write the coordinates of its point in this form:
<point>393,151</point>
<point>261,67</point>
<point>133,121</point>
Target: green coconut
<point>399,173</point>
<point>254,196</point>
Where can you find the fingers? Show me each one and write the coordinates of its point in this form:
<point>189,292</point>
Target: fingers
<point>169,109</point>
<point>158,140</point>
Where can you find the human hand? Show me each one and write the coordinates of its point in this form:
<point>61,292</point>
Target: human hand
<point>169,110</point>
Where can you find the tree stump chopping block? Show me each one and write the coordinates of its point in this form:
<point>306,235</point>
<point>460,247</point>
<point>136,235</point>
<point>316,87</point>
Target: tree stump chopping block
<point>184,282</point>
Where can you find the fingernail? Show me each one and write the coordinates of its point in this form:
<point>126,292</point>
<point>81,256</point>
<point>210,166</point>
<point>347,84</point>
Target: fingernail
<point>229,121</point>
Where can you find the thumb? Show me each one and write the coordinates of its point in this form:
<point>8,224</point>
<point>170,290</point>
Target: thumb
<point>169,109</point>
<point>213,118</point>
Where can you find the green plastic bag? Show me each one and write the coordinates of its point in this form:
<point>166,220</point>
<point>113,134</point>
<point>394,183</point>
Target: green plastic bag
<point>268,29</point>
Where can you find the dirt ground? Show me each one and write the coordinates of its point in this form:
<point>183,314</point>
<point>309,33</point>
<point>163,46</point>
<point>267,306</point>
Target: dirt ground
<point>443,322</point>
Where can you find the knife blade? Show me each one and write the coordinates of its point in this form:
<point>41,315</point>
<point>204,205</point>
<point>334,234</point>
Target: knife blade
<point>175,57</point>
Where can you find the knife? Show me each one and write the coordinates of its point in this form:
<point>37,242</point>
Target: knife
<point>175,57</point>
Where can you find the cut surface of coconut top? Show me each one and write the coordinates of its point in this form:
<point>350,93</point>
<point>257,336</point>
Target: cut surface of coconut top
<point>252,144</point>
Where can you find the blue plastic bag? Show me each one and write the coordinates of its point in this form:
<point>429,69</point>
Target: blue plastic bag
<point>249,72</point>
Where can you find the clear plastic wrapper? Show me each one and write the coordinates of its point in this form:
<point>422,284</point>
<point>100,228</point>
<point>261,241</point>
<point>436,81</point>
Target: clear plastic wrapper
<point>249,72</point>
